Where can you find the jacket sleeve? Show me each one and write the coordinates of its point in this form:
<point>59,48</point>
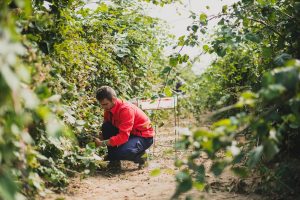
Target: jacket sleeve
<point>126,117</point>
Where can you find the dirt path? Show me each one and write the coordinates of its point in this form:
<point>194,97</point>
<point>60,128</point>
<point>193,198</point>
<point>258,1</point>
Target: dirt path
<point>132,184</point>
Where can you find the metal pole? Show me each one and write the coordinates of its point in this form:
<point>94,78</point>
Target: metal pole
<point>175,120</point>
<point>154,139</point>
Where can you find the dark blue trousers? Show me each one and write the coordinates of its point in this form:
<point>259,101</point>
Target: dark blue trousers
<point>132,150</point>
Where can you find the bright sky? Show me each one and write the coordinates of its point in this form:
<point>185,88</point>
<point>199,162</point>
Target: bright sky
<point>177,16</point>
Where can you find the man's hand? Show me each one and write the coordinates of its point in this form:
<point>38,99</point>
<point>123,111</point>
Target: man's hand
<point>98,142</point>
<point>103,143</point>
<point>100,136</point>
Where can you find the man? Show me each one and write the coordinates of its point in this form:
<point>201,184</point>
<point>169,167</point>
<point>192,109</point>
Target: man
<point>126,130</point>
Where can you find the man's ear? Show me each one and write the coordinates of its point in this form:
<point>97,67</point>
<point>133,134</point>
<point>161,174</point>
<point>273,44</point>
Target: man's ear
<point>114,99</point>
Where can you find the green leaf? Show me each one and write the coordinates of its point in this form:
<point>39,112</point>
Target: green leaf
<point>224,9</point>
<point>266,51</point>
<point>27,7</point>
<point>207,145</point>
<point>195,28</point>
<point>137,19</point>
<point>249,95</point>
<point>272,91</point>
<point>183,58</point>
<point>270,149</point>
<point>200,174</point>
<point>223,122</point>
<point>185,182</point>
<point>240,171</point>
<point>221,51</point>
<point>103,7</point>
<point>203,18</point>
<point>221,22</point>
<point>168,91</point>
<point>155,172</point>
<point>253,37</point>
<point>181,40</point>
<point>282,58</point>
<point>201,133</point>
<point>173,61</point>
<point>218,167</point>
<point>8,188</point>
<point>205,48</point>
<point>246,21</point>
<point>199,186</point>
<point>43,112</point>
<point>166,70</point>
<point>254,156</point>
<point>178,163</point>
<point>287,77</point>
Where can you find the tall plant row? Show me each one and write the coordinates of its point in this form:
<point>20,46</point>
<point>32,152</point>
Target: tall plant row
<point>53,56</point>
<point>252,90</point>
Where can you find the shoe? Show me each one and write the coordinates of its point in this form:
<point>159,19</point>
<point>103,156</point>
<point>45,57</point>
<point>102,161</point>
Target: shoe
<point>105,158</point>
<point>141,161</point>
<point>142,165</point>
<point>114,165</point>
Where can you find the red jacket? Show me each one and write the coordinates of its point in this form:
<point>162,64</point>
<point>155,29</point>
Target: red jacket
<point>129,119</point>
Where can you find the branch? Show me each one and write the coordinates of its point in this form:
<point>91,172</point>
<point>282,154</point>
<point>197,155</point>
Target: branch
<point>267,25</point>
<point>252,19</point>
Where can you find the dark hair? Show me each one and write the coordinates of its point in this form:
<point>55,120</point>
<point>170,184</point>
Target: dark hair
<point>105,92</point>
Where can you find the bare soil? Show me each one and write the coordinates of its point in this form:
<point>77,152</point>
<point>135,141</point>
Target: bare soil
<point>132,183</point>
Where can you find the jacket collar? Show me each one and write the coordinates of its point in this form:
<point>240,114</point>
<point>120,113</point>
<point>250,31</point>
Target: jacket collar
<point>117,103</point>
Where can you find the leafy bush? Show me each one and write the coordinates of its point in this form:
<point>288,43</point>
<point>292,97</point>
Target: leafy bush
<point>271,127</point>
<point>54,54</point>
<point>254,96</point>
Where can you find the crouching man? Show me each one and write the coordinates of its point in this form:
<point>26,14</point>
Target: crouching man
<point>126,130</point>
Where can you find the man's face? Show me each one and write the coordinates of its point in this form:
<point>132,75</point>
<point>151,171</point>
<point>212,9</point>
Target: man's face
<point>107,104</point>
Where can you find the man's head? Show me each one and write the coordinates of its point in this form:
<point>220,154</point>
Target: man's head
<point>106,96</point>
